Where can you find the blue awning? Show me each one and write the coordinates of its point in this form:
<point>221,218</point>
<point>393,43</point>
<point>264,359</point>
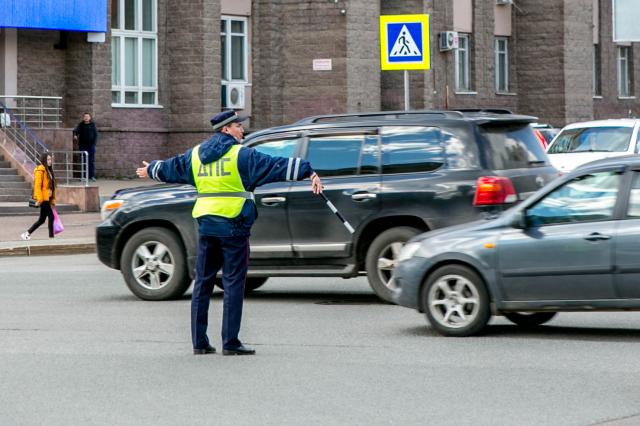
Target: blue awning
<point>72,15</point>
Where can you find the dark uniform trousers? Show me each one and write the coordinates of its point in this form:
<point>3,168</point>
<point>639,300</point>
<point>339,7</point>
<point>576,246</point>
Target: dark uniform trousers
<point>232,254</point>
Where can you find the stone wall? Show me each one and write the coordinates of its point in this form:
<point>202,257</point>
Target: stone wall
<point>609,106</point>
<point>540,67</point>
<point>287,36</point>
<point>41,67</point>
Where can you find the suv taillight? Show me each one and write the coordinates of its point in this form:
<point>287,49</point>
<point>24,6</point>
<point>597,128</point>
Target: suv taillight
<point>492,190</point>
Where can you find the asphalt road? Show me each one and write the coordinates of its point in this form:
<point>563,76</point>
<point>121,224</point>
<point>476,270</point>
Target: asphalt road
<point>77,348</point>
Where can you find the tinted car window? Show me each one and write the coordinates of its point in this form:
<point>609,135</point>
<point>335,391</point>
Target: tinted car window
<point>460,153</point>
<point>513,146</point>
<point>278,148</point>
<point>592,139</point>
<point>586,198</point>
<point>337,155</point>
<point>411,149</point>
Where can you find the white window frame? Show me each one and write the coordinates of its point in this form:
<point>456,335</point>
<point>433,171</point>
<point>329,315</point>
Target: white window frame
<point>245,52</point>
<point>119,35</point>
<point>624,70</point>
<point>463,40</point>
<point>498,72</point>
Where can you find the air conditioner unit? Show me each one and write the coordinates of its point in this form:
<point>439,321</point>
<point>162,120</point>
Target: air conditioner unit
<point>235,96</point>
<point>448,40</point>
<point>504,1</point>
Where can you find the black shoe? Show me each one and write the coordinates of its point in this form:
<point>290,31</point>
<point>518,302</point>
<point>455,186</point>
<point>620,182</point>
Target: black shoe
<point>204,351</point>
<point>240,350</point>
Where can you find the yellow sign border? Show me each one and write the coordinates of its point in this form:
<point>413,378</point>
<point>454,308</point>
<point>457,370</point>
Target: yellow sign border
<point>425,64</point>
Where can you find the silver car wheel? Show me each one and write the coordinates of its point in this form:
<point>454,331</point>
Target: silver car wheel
<point>387,262</point>
<point>152,265</point>
<point>454,301</point>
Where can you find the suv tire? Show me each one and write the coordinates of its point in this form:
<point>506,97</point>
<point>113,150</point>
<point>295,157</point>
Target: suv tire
<point>382,257</point>
<point>153,265</point>
<point>455,301</point>
<point>529,319</point>
<point>250,285</point>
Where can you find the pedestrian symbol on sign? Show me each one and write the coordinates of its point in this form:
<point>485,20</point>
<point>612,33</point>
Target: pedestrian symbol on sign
<point>404,45</point>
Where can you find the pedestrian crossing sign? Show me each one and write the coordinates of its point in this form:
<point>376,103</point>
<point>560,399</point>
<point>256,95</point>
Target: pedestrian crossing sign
<point>404,42</point>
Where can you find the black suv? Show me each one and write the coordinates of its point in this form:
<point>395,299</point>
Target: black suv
<point>391,174</point>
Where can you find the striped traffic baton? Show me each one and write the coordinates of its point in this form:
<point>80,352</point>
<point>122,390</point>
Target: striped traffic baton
<point>337,213</point>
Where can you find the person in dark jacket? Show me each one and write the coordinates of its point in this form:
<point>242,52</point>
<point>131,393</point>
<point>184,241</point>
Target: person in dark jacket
<point>225,175</point>
<point>86,134</point>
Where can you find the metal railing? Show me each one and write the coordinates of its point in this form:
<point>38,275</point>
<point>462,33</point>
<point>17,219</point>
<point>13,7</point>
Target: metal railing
<point>71,167</point>
<point>35,111</point>
<point>29,145</point>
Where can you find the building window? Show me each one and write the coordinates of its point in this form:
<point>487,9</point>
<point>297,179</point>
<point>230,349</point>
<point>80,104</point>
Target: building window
<point>134,52</point>
<point>234,58</point>
<point>597,82</point>
<point>502,65</point>
<point>462,64</point>
<point>624,71</point>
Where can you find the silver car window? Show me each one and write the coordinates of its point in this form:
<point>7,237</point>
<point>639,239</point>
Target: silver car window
<point>634,197</point>
<point>592,139</point>
<point>590,197</point>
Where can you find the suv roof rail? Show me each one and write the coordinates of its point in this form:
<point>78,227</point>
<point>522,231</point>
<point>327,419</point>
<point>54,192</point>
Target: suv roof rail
<point>382,115</point>
<point>486,110</point>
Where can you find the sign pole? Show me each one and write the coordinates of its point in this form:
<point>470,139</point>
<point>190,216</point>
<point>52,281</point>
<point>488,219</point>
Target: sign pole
<point>404,45</point>
<point>406,90</point>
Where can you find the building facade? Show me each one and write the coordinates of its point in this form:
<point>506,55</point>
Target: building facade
<point>165,66</point>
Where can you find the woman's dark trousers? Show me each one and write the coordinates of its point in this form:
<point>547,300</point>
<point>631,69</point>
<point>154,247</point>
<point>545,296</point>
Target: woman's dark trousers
<point>45,212</point>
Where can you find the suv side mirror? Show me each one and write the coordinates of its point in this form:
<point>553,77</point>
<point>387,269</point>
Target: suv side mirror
<point>519,220</point>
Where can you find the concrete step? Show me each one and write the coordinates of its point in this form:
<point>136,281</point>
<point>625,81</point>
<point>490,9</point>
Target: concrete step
<point>20,185</point>
<point>11,178</point>
<point>4,164</point>
<point>13,198</point>
<point>16,191</point>
<point>8,171</point>
<point>21,209</point>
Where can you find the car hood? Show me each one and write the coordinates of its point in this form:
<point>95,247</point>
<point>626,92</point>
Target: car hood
<point>161,191</point>
<point>460,238</point>
<point>566,162</point>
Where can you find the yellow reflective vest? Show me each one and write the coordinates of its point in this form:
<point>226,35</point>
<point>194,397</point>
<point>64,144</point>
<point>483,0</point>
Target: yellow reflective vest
<point>219,186</point>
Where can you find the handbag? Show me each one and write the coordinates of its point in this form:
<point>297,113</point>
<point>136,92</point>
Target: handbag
<point>57,223</point>
<point>33,203</point>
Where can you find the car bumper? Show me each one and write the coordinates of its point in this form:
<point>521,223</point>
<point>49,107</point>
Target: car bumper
<point>409,276</point>
<point>106,236</point>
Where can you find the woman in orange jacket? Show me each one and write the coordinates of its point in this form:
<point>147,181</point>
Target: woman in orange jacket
<point>44,192</point>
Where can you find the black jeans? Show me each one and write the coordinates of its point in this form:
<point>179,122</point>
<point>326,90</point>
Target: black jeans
<point>45,212</point>
<point>91,151</point>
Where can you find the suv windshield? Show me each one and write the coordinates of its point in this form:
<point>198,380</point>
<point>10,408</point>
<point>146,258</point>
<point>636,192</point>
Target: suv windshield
<point>513,146</point>
<point>592,139</point>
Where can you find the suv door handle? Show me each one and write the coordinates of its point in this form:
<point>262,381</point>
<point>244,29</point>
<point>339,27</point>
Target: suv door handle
<point>596,236</point>
<point>361,196</point>
<point>269,201</point>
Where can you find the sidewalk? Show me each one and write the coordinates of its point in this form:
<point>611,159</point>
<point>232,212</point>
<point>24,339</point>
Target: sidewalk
<point>79,228</point>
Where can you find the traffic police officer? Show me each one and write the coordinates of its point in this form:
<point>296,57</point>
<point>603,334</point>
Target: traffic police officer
<point>225,174</point>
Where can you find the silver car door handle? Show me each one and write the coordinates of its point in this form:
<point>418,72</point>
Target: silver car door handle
<point>363,196</point>
<point>596,236</point>
<point>272,200</point>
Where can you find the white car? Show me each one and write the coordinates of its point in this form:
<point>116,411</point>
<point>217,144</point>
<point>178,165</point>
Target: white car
<point>581,143</point>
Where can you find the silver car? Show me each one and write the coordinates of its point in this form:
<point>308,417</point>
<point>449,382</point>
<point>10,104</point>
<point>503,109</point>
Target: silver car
<point>572,246</point>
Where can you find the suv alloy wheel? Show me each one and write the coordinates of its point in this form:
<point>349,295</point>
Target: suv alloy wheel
<point>382,257</point>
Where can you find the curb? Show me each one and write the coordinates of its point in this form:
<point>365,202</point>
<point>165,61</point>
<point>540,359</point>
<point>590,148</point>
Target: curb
<point>48,249</point>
